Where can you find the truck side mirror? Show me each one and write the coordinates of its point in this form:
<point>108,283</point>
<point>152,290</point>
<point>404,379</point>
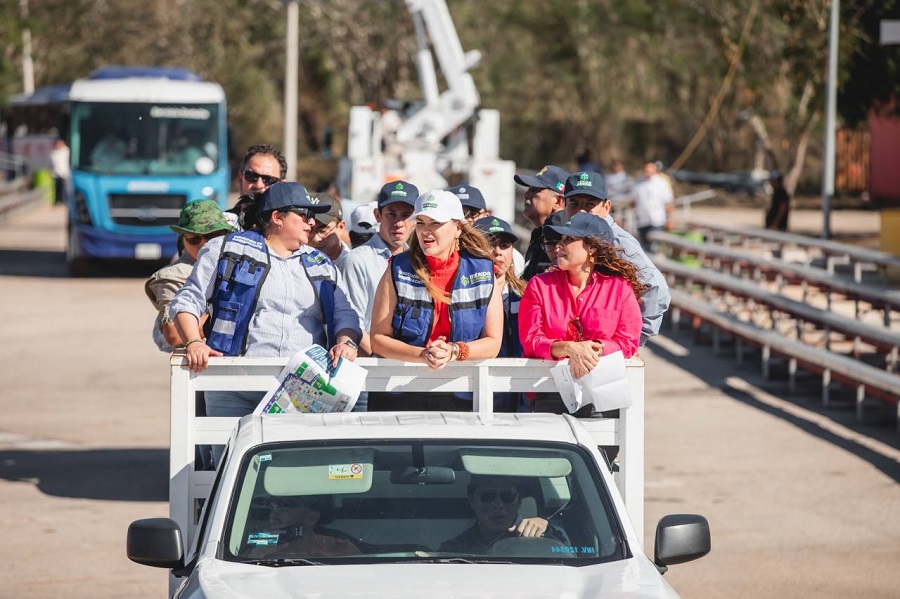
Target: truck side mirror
<point>680,538</point>
<point>155,542</point>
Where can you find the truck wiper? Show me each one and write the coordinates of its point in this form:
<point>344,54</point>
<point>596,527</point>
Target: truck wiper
<point>462,560</point>
<point>277,563</point>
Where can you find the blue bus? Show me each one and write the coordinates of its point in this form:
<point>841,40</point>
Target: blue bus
<point>144,142</point>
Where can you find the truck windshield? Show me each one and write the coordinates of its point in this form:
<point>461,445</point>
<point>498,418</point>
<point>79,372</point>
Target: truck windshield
<point>454,502</point>
<point>151,138</point>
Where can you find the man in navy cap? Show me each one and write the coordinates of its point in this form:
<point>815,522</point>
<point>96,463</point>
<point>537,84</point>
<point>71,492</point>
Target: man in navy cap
<point>543,197</point>
<point>585,191</point>
<point>364,266</point>
<point>472,201</point>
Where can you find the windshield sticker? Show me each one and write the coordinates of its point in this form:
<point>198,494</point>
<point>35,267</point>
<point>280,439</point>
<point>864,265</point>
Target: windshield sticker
<point>262,538</point>
<point>265,457</point>
<point>345,471</point>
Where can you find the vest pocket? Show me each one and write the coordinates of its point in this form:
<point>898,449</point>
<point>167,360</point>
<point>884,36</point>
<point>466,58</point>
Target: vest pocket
<point>224,326</point>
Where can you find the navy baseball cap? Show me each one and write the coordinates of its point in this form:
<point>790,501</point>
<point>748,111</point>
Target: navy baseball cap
<point>558,219</point>
<point>586,183</point>
<point>583,224</point>
<point>397,191</point>
<point>549,177</point>
<point>469,197</point>
<point>283,195</point>
<point>491,225</point>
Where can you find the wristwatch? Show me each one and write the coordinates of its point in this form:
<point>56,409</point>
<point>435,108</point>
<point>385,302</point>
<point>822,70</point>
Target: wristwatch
<point>351,343</point>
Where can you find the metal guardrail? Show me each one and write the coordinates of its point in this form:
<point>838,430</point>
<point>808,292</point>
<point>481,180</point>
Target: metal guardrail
<point>757,266</point>
<point>881,338</point>
<point>188,486</point>
<point>833,251</point>
<point>864,378</point>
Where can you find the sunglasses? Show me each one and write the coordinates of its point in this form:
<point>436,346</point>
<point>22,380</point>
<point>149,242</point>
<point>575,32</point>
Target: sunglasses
<point>196,239</point>
<point>574,330</point>
<point>491,496</point>
<point>303,213</point>
<point>324,231</point>
<point>473,212</point>
<point>252,177</point>
<point>503,245</point>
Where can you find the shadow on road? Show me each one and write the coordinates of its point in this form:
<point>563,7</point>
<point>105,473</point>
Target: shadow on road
<point>105,474</point>
<point>698,362</point>
<point>52,264</point>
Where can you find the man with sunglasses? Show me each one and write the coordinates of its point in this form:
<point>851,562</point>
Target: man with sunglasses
<point>586,192</point>
<point>496,501</point>
<point>263,165</point>
<point>199,222</point>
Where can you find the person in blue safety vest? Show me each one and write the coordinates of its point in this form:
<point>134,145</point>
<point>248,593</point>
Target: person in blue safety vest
<point>502,240</point>
<point>437,302</point>
<point>271,294</point>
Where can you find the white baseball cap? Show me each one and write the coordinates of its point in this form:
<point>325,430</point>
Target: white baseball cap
<point>362,219</point>
<point>440,205</point>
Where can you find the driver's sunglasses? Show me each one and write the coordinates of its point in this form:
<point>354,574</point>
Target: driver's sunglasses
<point>574,330</point>
<point>491,496</point>
<point>252,177</point>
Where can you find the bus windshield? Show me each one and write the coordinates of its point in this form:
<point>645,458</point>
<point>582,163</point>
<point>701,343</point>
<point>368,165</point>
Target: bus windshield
<point>148,138</point>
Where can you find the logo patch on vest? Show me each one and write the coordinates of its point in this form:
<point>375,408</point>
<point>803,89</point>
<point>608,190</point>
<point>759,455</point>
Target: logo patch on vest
<point>475,278</point>
<point>248,242</point>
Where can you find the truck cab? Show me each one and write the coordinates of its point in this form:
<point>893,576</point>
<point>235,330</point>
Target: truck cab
<point>409,503</point>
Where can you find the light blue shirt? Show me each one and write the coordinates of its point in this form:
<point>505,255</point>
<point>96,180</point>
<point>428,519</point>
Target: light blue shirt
<point>363,268</point>
<point>288,315</point>
<point>657,297</point>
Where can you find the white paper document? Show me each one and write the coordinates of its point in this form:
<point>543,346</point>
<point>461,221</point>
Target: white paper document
<point>309,384</point>
<point>606,386</point>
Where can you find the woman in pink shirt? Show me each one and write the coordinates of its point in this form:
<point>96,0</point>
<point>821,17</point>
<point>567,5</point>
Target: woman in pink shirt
<point>589,306</point>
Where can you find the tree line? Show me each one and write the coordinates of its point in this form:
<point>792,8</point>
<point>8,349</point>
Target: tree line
<point>708,84</point>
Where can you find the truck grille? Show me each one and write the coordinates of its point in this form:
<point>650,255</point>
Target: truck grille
<point>145,210</point>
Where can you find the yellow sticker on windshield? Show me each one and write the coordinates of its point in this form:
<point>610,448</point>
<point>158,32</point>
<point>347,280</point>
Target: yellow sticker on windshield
<point>345,471</point>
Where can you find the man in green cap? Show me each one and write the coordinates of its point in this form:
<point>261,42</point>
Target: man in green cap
<point>199,222</point>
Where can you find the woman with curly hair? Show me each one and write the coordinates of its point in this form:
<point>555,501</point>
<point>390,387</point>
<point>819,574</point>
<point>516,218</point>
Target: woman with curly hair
<point>437,302</point>
<point>589,307</point>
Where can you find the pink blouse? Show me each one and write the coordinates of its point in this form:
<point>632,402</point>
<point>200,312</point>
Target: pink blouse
<point>606,311</point>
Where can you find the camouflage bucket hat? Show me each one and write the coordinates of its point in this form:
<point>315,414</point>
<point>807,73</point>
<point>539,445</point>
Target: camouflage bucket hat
<point>201,217</point>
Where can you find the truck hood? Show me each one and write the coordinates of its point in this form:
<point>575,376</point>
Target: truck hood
<point>635,578</point>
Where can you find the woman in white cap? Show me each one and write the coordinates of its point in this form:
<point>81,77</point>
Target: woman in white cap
<point>437,302</point>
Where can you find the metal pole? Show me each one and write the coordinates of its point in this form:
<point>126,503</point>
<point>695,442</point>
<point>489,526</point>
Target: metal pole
<point>27,62</point>
<point>830,118</point>
<point>291,75</point>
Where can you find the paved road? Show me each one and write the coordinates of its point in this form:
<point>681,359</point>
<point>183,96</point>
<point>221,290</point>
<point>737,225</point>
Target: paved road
<point>801,502</point>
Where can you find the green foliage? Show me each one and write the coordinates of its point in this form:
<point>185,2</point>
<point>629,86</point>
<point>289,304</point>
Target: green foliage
<point>628,79</point>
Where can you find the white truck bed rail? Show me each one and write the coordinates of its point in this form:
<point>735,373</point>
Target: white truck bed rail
<point>188,486</point>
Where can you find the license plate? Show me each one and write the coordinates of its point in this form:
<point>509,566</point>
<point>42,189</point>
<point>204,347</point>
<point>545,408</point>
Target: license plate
<point>148,251</point>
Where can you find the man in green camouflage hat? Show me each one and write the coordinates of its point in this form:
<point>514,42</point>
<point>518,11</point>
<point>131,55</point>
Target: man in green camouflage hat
<point>200,221</point>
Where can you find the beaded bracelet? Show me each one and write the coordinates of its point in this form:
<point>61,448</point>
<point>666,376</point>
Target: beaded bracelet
<point>463,350</point>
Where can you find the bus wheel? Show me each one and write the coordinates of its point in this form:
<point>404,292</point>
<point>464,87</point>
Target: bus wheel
<point>78,266</point>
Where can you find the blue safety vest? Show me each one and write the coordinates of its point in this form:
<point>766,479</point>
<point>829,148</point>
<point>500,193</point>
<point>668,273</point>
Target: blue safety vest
<point>240,273</point>
<point>469,298</point>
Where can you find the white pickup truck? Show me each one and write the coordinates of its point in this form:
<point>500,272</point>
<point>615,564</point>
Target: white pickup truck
<point>410,504</point>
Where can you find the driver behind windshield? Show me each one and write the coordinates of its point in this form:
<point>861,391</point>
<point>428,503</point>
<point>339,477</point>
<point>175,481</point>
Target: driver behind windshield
<point>296,531</point>
<point>496,501</point>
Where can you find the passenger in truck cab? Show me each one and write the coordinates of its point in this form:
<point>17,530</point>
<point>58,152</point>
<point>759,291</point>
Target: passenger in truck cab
<point>437,302</point>
<point>589,307</point>
<point>295,531</point>
<point>271,295</point>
